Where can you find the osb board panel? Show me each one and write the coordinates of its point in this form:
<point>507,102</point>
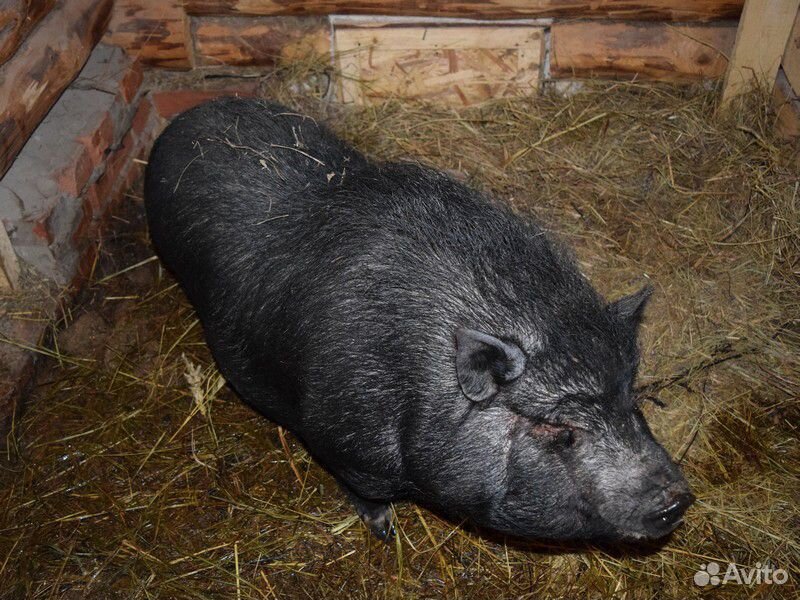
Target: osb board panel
<point>459,65</point>
<point>258,41</point>
<point>791,58</point>
<point>675,10</point>
<point>657,51</point>
<point>155,31</point>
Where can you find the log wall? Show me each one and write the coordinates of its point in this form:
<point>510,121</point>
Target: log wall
<point>258,41</point>
<point>658,51</point>
<point>43,65</point>
<point>43,43</point>
<point>17,18</point>
<point>671,10</point>
<point>673,40</point>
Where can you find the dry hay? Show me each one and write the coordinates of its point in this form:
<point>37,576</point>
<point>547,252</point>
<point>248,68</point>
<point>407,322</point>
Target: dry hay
<point>132,474</point>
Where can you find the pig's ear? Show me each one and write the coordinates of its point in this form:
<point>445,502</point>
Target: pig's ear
<point>484,362</point>
<point>630,309</point>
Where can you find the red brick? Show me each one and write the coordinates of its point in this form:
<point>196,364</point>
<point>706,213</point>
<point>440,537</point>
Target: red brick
<point>17,363</point>
<point>75,175</point>
<point>83,232</point>
<point>40,230</point>
<point>115,165</point>
<point>99,140</point>
<point>91,202</point>
<point>170,103</point>
<point>85,266</point>
<point>142,117</point>
<point>131,176</point>
<point>131,82</point>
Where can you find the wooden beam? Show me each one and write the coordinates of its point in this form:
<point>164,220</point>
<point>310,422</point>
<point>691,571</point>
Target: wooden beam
<point>787,108</point>
<point>43,66</point>
<point>17,18</point>
<point>9,265</point>
<point>258,41</point>
<point>154,31</point>
<point>656,51</point>
<point>760,42</point>
<point>791,56</point>
<point>674,10</point>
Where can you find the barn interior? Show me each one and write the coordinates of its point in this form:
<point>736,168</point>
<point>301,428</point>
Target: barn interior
<point>658,138</point>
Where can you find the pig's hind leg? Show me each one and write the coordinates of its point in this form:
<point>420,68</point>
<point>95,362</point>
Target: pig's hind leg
<point>377,516</point>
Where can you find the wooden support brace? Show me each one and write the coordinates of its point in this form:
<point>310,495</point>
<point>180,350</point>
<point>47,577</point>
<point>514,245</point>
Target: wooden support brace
<point>760,42</point>
<point>9,265</point>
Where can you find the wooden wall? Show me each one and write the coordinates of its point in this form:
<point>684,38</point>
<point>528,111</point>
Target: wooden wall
<point>674,40</point>
<point>43,45</point>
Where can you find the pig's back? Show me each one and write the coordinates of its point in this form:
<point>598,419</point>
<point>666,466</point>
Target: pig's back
<point>232,164</point>
<point>311,268</point>
<point>230,192</point>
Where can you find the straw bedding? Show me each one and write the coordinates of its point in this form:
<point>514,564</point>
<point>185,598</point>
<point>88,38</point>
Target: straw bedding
<point>133,472</point>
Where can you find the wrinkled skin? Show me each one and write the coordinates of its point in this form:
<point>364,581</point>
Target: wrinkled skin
<point>425,343</point>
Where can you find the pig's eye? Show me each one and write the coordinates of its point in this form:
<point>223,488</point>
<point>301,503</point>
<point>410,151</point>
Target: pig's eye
<point>559,434</point>
<point>565,437</point>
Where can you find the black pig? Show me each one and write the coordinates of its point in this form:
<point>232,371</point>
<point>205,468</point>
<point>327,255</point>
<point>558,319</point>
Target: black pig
<point>424,342</point>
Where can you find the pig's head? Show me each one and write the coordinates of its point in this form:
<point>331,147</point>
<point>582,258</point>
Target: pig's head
<point>557,445</point>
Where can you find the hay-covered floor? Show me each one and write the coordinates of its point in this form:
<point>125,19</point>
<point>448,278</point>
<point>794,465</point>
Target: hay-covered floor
<point>131,474</point>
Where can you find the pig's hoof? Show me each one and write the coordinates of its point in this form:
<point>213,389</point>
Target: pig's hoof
<point>380,525</point>
<point>377,517</point>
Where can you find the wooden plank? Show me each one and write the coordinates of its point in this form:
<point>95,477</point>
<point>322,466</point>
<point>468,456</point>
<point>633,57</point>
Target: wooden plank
<point>657,51</point>
<point>674,10</point>
<point>791,56</point>
<point>43,66</point>
<point>17,18</point>
<point>156,32</point>
<point>787,108</point>
<point>760,41</point>
<point>9,265</point>
<point>458,65</point>
<point>261,41</point>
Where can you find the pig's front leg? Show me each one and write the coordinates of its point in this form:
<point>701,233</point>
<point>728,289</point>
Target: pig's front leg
<point>377,516</point>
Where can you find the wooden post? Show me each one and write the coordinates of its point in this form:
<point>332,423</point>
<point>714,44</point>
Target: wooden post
<point>9,266</point>
<point>760,41</point>
<point>791,57</point>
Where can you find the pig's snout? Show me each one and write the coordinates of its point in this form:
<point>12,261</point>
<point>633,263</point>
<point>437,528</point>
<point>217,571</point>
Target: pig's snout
<point>665,519</point>
<point>671,502</point>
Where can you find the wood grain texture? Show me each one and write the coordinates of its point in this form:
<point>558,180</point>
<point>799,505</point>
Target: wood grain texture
<point>760,42</point>
<point>459,65</point>
<point>675,10</point>
<point>17,18</point>
<point>155,31</point>
<point>9,264</point>
<point>45,64</point>
<point>656,51</point>
<point>258,41</point>
<point>791,56</point>
<point>787,108</point>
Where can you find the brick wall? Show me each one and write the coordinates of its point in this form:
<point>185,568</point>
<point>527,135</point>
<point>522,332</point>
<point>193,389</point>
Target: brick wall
<point>58,192</point>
